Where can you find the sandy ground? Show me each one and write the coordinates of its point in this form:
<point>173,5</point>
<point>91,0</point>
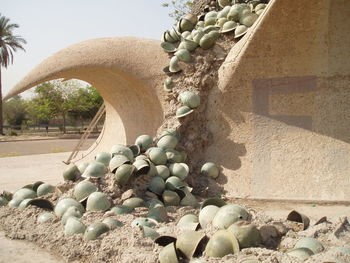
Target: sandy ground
<point>23,252</point>
<point>40,146</point>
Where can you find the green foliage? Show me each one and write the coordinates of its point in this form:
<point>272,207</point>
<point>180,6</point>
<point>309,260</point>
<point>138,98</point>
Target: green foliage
<point>15,111</point>
<point>179,8</point>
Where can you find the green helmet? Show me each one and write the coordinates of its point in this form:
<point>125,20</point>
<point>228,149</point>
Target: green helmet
<point>207,41</point>
<point>149,232</point>
<point>248,19</point>
<point>190,99</point>
<point>134,202</point>
<point>82,167</point>
<point>143,221</point>
<point>98,201</point>
<point>96,229</point>
<point>174,183</point>
<point>39,202</point>
<point>144,141</point>
<point>220,22</point>
<point>168,47</point>
<point>123,173</point>
<point>222,243</point>
<point>186,219</point>
<point>71,211</point>
<point>44,217</point>
<point>246,233</point>
<point>157,185</point>
<point>185,34</point>
<point>167,142</point>
<point>189,44</point>
<point>210,21</point>
<point>15,202</point>
<point>189,243</point>
<point>154,203</point>
<point>112,223</point>
<point>3,201</point>
<point>210,169</point>
<point>71,173</point>
<point>168,84</point>
<point>136,150</point>
<point>180,170</point>
<point>260,7</point>
<point>121,209</point>
<point>174,156</point>
<point>189,199</point>
<point>207,214</point>
<point>211,14</point>
<point>142,166</point>
<point>117,161</point>
<point>170,198</point>
<point>83,189</point>
<point>162,171</point>
<point>224,12</point>
<point>74,226</point>
<point>174,65</point>
<point>240,31</point>
<point>197,37</point>
<point>217,201</point>
<point>157,156</point>
<point>158,213</point>
<point>7,195</point>
<point>24,193</point>
<point>229,26</point>
<point>311,243</point>
<point>210,28</point>
<point>185,25</point>
<point>63,204</point>
<point>229,214</point>
<point>301,253</point>
<point>24,203</point>
<point>183,111</point>
<point>168,254</point>
<point>183,55</point>
<point>122,150</point>
<point>103,157</point>
<point>95,169</point>
<point>44,189</point>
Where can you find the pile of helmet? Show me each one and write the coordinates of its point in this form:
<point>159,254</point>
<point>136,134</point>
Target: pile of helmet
<point>159,161</point>
<point>235,232</point>
<point>203,31</point>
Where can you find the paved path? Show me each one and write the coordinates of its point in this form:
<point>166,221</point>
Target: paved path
<point>17,148</point>
<point>21,170</point>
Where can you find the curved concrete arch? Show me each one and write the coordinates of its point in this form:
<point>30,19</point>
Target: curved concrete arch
<point>129,81</point>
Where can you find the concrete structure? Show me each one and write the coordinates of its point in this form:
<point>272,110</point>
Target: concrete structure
<point>280,116</point>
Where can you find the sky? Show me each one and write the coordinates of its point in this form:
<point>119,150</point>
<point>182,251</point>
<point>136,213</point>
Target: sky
<point>50,25</point>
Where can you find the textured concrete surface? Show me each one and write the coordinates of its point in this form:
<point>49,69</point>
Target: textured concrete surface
<point>280,117</point>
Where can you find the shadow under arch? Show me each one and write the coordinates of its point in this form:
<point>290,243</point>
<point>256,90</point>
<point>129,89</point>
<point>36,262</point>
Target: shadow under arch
<point>127,72</point>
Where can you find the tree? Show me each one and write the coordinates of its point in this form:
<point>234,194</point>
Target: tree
<point>15,111</point>
<point>9,43</point>
<point>179,8</point>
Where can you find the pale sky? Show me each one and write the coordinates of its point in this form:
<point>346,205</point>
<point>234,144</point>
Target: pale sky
<point>50,25</point>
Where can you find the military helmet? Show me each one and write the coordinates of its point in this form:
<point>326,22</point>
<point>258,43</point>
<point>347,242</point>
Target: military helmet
<point>207,214</point>
<point>162,171</point>
<point>168,47</point>
<point>167,142</point>
<point>174,183</point>
<point>123,173</point>
<point>71,212</point>
<point>144,141</point>
<point>95,169</point>
<point>180,170</point>
<point>190,99</point>
<point>174,65</point>
<point>311,243</point>
<point>248,19</point>
<point>157,185</point>
<point>229,214</point>
<point>44,217</point>
<point>222,243</point>
<point>98,201</point>
<point>183,55</point>
<point>112,223</point>
<point>96,229</point>
<point>3,201</point>
<point>122,150</point>
<point>246,233</point>
<point>83,189</point>
<point>63,204</point>
<point>24,193</point>
<point>240,31</point>
<point>103,157</point>
<point>183,111</point>
<point>71,173</point>
<point>210,169</point>
<point>44,189</point>
<point>157,156</point>
<point>134,202</point>
<point>170,198</point>
<point>74,226</point>
<point>143,221</point>
<point>117,161</point>
<point>189,243</point>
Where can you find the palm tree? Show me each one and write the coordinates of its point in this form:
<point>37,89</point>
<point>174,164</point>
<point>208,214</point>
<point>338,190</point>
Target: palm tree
<point>9,43</point>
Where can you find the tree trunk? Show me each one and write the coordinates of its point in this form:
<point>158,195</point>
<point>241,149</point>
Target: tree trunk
<point>64,123</point>
<point>1,116</point>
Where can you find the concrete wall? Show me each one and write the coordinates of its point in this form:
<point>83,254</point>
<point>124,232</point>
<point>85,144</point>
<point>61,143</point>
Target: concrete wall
<point>282,120</point>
